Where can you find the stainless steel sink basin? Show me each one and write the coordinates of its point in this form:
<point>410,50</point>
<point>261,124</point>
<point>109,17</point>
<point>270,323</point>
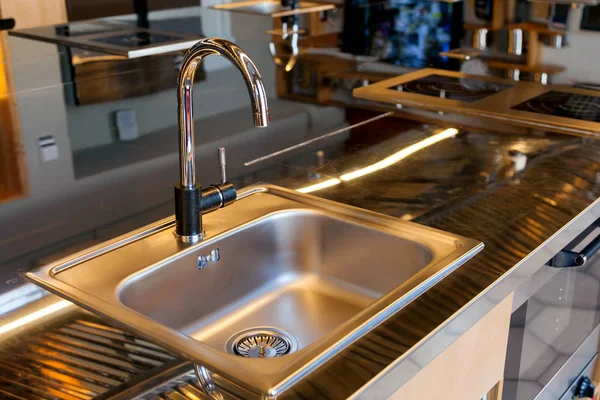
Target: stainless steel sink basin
<point>287,281</point>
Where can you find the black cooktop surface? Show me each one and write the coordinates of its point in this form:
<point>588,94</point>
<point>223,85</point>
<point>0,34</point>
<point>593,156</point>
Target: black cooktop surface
<point>75,29</point>
<point>138,39</point>
<point>561,104</point>
<point>452,88</point>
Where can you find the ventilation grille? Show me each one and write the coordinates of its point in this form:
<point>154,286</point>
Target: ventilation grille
<point>187,391</point>
<point>184,387</point>
<point>81,358</point>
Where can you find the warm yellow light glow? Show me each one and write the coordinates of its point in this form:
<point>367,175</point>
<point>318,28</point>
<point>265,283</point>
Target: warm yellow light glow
<point>320,185</point>
<point>3,69</point>
<point>386,162</point>
<point>34,316</point>
<point>400,155</point>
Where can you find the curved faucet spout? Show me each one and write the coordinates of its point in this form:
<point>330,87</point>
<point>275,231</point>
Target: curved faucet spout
<point>185,84</point>
<point>190,201</point>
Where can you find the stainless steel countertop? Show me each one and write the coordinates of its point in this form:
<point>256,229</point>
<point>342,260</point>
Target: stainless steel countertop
<point>465,185</point>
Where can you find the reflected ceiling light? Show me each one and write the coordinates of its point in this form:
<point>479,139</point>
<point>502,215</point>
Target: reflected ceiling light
<point>386,162</point>
<point>400,155</point>
<point>34,316</point>
<point>320,185</point>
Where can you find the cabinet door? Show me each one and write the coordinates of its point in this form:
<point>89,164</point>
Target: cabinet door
<point>554,334</point>
<point>469,368</point>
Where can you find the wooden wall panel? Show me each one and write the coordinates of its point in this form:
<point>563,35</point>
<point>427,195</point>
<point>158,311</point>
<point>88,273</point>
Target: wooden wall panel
<point>27,13</point>
<point>30,13</point>
<point>13,180</point>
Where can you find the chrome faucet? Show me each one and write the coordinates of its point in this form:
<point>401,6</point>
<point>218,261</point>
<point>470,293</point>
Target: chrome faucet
<point>190,201</point>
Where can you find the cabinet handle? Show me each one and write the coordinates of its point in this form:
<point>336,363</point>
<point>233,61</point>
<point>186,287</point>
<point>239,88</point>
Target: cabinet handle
<point>585,388</point>
<point>568,259</point>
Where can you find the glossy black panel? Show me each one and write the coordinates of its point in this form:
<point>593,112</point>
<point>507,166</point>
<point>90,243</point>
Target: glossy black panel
<point>567,105</point>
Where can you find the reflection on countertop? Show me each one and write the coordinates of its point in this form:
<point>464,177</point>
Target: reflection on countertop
<point>513,189</point>
<point>470,183</point>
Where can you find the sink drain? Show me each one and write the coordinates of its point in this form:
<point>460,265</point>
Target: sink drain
<point>262,343</point>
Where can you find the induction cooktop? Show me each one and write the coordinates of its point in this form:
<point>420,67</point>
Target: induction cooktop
<point>110,38</point>
<point>138,39</point>
<point>85,28</point>
<point>565,109</point>
<point>562,104</point>
<point>452,88</point>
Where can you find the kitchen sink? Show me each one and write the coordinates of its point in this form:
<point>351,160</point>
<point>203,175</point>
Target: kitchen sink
<point>281,283</point>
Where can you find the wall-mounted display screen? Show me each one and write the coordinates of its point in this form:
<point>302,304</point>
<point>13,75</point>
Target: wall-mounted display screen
<point>421,31</point>
<point>403,32</point>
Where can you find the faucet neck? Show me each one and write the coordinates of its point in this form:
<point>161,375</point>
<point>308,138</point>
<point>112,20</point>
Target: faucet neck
<point>188,197</point>
<point>185,84</point>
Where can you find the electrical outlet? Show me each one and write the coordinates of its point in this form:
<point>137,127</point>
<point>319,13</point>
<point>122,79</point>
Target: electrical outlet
<point>126,125</point>
<point>48,150</point>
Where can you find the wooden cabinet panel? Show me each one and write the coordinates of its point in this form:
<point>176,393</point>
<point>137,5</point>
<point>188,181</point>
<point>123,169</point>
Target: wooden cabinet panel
<point>31,13</point>
<point>26,13</point>
<point>471,367</point>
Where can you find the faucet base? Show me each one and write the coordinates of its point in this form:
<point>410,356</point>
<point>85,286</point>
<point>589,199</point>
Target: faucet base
<point>189,239</point>
<point>187,213</point>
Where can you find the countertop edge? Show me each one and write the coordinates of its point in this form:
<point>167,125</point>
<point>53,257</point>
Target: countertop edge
<point>398,373</point>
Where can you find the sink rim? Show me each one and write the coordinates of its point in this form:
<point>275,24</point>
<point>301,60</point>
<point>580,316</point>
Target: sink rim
<point>278,374</point>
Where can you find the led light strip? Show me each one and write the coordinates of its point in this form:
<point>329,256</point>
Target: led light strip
<point>34,316</point>
<point>386,162</point>
<point>319,186</point>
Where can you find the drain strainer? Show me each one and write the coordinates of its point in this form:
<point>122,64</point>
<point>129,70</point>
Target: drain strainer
<point>262,343</point>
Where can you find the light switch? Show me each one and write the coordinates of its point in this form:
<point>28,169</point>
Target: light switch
<point>48,150</point>
<point>126,125</point>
